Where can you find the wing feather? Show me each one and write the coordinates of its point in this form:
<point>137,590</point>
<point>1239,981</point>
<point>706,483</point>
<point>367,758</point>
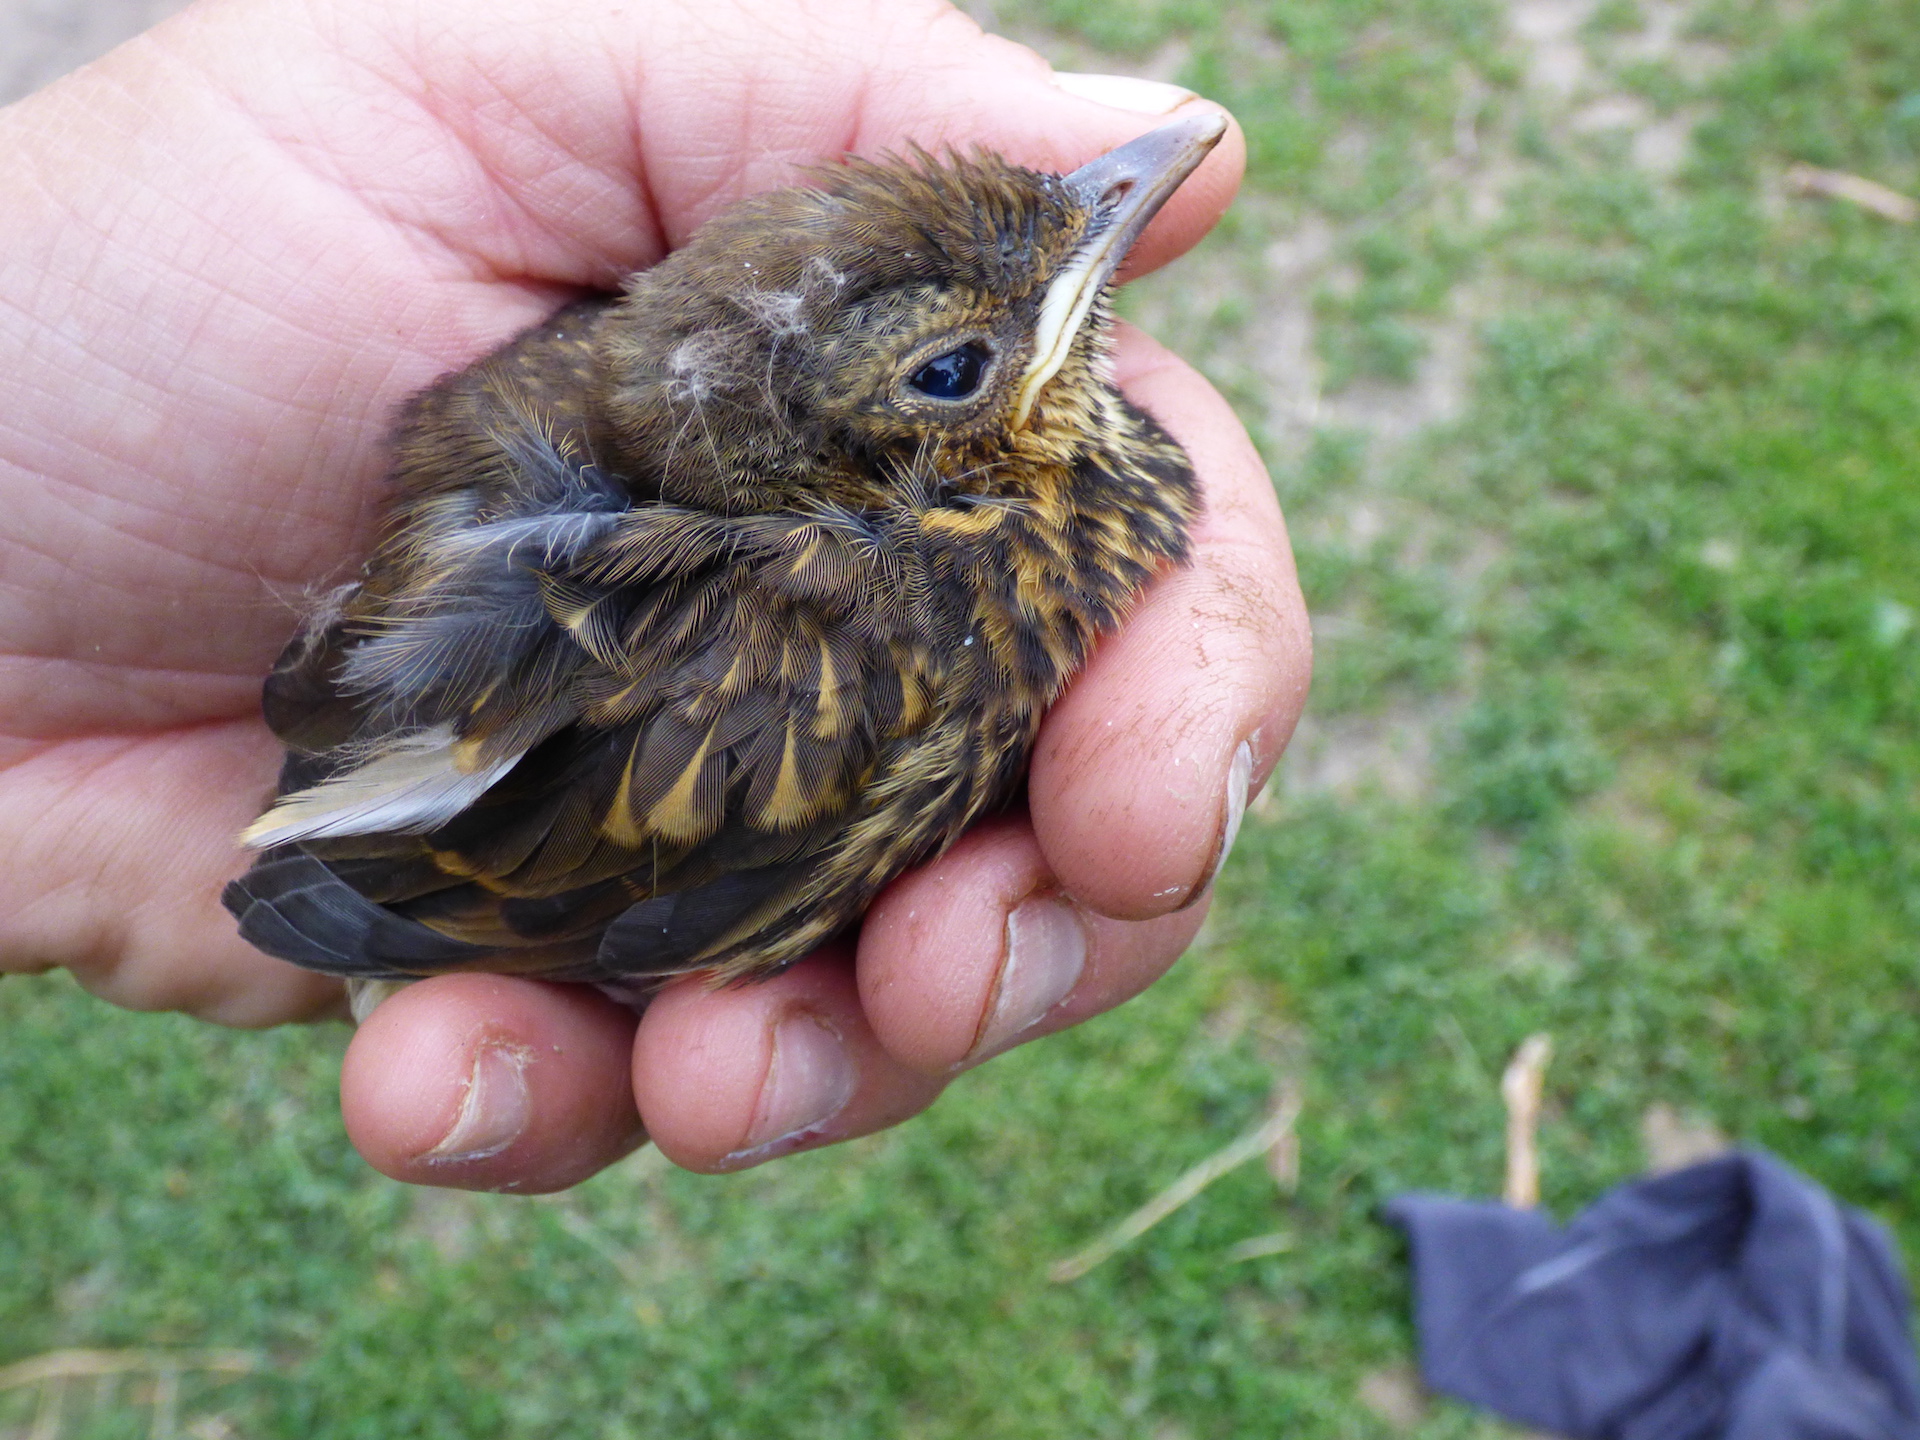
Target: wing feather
<point>586,710</point>
<point>416,784</point>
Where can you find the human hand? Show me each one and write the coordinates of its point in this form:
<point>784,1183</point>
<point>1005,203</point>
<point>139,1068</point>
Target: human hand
<point>235,245</point>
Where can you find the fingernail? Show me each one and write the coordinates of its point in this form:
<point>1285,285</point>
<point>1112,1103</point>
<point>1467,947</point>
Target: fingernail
<point>810,1081</point>
<point>1125,92</point>
<point>1046,951</point>
<point>495,1110</point>
<point>1239,781</point>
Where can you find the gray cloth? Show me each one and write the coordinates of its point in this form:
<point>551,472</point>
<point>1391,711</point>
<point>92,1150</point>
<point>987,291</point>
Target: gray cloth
<point>1733,1300</point>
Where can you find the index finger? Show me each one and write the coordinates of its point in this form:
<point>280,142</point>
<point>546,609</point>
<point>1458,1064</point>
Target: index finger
<point>1143,768</point>
<point>587,141</point>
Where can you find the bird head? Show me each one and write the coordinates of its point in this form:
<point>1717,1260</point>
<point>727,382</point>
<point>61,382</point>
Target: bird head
<point>910,319</point>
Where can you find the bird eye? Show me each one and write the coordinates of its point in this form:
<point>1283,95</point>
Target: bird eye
<point>954,375</point>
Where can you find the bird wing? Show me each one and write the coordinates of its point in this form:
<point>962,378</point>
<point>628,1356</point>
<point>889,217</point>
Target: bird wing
<point>403,699</point>
<point>736,681</point>
<point>574,710</point>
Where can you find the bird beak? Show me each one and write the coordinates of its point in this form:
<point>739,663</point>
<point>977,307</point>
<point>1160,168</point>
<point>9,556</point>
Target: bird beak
<point>1122,190</point>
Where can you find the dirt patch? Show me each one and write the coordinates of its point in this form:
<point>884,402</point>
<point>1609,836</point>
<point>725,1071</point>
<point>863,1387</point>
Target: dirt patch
<point>1394,1394</point>
<point>1391,751</point>
<point>1550,29</point>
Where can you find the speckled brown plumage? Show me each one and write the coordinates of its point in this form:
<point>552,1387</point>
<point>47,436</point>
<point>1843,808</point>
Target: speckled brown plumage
<point>701,613</point>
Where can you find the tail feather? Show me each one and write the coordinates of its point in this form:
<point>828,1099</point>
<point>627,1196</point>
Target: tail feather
<point>675,931</point>
<point>293,907</point>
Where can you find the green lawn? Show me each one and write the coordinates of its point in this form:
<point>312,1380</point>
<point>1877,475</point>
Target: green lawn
<point>1599,443</point>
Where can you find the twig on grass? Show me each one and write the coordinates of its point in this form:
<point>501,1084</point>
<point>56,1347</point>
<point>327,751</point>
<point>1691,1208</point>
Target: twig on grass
<point>57,1370</point>
<point>1261,1141</point>
<point>1521,1086</point>
<point>1855,190</point>
<point>82,1364</point>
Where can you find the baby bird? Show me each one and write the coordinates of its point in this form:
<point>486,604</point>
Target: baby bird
<point>703,612</point>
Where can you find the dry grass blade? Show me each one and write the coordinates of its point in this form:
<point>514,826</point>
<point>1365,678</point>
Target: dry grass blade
<point>52,1409</point>
<point>1521,1087</point>
<point>63,1365</point>
<point>1855,190</point>
<point>628,1265</point>
<point>1259,1246</point>
<point>1283,1162</point>
<point>1254,1143</point>
<point>166,1405</point>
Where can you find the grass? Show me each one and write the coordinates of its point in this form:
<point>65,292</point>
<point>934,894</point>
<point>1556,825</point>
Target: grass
<point>1604,485</point>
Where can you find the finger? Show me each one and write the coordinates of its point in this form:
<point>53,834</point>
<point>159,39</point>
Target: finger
<point>981,951</point>
<point>487,1082</point>
<point>728,1078</point>
<point>113,852</point>
<point>608,135</point>
<point>1143,768</point>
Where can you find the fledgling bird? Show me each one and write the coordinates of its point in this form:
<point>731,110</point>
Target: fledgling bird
<point>703,612</point>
